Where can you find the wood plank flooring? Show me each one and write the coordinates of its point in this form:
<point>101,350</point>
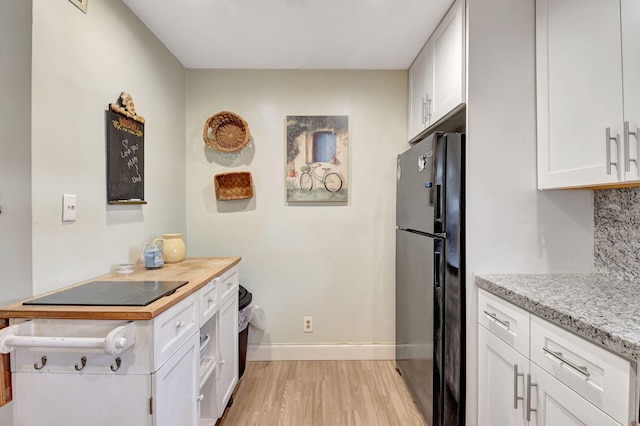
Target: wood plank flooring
<point>301,393</point>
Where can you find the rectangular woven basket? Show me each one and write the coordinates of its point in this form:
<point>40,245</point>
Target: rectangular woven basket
<point>233,186</point>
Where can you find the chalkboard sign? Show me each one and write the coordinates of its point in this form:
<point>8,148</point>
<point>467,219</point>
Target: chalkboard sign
<point>125,159</point>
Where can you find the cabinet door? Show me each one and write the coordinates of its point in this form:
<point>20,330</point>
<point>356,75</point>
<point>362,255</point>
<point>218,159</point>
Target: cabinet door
<point>79,399</point>
<point>579,88</point>
<point>554,404</point>
<point>447,67</point>
<point>176,387</point>
<point>227,353</point>
<point>419,76</point>
<point>501,374</point>
<point>631,83</point>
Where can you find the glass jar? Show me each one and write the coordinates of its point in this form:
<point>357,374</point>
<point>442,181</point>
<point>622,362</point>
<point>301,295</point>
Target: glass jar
<point>153,256</point>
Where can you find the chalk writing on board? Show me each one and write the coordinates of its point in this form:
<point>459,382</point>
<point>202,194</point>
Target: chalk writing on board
<point>125,158</point>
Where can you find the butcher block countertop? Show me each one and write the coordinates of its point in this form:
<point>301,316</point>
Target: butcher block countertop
<point>197,271</point>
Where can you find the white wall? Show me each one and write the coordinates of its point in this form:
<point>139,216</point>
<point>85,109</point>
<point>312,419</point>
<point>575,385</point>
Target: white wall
<point>334,262</point>
<point>15,163</point>
<point>81,63</point>
<point>511,227</point>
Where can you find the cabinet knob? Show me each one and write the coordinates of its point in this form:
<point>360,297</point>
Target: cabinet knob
<point>179,323</point>
<point>210,300</point>
<point>222,361</point>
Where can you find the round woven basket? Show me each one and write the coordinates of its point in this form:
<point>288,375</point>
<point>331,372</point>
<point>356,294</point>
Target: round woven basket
<point>226,132</point>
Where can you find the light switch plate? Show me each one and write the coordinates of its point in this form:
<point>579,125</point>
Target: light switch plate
<point>69,208</point>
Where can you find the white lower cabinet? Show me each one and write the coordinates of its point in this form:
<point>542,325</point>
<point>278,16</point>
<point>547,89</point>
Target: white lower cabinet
<point>219,362</point>
<point>557,405</point>
<point>180,368</point>
<point>555,378</point>
<point>502,372</point>
<point>175,387</point>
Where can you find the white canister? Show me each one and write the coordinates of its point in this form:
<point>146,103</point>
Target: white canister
<point>173,247</point>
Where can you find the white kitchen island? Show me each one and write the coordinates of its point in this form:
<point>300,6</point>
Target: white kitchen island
<point>172,362</point>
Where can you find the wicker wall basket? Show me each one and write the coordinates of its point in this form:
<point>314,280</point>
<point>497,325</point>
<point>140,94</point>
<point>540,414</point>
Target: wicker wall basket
<point>233,186</point>
<point>226,132</point>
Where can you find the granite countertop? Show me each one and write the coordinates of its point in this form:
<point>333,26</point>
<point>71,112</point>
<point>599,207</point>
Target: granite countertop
<point>602,309</point>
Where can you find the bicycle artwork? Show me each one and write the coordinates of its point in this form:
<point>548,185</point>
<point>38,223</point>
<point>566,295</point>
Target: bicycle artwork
<point>317,158</point>
<point>332,181</point>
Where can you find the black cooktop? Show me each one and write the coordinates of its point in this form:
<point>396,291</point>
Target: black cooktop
<point>110,293</point>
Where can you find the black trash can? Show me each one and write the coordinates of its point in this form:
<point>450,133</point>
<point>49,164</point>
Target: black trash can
<point>244,299</point>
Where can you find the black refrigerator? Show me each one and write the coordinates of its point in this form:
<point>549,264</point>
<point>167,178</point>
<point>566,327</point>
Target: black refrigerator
<point>430,277</point>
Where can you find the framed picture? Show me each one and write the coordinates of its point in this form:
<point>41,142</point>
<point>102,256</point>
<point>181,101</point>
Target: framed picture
<point>317,158</point>
<point>80,4</point>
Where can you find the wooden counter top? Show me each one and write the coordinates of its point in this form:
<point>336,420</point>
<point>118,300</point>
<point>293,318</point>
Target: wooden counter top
<point>198,271</point>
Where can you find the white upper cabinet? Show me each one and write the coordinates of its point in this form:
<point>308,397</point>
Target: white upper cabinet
<point>631,81</point>
<point>580,61</point>
<point>437,77</point>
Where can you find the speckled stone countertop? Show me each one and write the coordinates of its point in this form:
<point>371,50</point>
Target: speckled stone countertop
<point>601,309</point>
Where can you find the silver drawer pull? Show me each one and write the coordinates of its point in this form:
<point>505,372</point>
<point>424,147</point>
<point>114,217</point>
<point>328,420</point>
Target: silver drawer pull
<point>179,323</point>
<point>516,398</point>
<point>495,317</point>
<point>558,355</point>
<point>210,300</point>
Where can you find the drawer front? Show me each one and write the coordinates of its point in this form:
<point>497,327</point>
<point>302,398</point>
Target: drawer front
<point>172,328</point>
<point>229,283</point>
<point>601,377</point>
<point>507,321</point>
<point>208,297</point>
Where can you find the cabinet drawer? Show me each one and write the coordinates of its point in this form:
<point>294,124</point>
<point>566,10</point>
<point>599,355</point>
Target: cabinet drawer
<point>172,328</point>
<point>208,299</point>
<point>229,282</point>
<point>601,377</point>
<point>509,322</point>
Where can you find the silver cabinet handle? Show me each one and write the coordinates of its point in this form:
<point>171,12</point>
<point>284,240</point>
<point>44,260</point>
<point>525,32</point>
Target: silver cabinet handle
<point>179,323</point>
<point>424,110</point>
<point>428,108</point>
<point>529,386</point>
<point>628,160</point>
<point>516,398</point>
<point>495,317</point>
<point>609,139</point>
<point>558,355</point>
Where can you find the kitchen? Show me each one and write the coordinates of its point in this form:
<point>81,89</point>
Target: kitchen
<point>511,226</point>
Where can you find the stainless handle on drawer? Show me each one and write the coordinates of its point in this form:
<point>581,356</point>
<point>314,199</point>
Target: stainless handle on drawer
<point>529,386</point>
<point>628,160</point>
<point>516,398</point>
<point>495,317</point>
<point>558,355</point>
<point>609,139</point>
<point>179,323</point>
<point>210,300</point>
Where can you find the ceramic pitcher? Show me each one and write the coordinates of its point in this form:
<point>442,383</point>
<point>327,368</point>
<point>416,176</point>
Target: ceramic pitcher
<point>173,247</point>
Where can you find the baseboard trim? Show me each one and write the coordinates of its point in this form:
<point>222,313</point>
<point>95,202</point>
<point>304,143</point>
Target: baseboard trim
<point>342,352</point>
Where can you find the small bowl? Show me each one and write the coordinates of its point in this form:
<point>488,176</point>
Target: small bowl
<point>125,268</point>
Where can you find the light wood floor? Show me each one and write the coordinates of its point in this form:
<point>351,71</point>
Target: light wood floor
<point>301,393</point>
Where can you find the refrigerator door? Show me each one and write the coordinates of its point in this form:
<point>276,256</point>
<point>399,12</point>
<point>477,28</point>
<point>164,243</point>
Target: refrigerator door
<point>415,195</point>
<point>415,317</point>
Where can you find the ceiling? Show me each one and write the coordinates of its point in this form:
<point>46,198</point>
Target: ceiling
<point>292,34</point>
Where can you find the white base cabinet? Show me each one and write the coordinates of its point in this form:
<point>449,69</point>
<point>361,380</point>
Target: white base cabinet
<point>170,376</point>
<point>556,378</point>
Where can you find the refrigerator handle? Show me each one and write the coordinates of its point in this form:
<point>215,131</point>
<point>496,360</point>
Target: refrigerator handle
<point>437,214</point>
<point>437,260</point>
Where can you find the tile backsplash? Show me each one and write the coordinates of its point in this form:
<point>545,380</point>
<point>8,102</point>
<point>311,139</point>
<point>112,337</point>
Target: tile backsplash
<point>617,233</point>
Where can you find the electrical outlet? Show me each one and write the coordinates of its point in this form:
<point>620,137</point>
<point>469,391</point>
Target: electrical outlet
<point>308,325</point>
